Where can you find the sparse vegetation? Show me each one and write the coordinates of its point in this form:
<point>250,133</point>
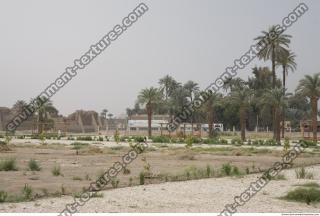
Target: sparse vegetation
<point>115,182</point>
<point>27,192</point>
<point>56,170</point>
<point>76,178</point>
<point>126,171</point>
<point>8,165</point>
<point>33,165</point>
<point>141,178</point>
<point>307,195</point>
<point>226,169</point>
<point>3,196</point>
<point>302,173</point>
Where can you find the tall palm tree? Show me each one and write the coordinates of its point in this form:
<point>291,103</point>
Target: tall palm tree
<point>276,99</point>
<point>213,101</point>
<point>18,107</point>
<point>272,48</point>
<point>193,89</point>
<point>310,87</point>
<point>287,61</point>
<point>149,97</point>
<point>43,112</point>
<point>242,96</point>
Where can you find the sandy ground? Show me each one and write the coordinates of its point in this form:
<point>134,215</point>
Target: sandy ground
<point>206,195</point>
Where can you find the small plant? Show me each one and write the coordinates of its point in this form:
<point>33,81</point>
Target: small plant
<point>27,192</point>
<point>63,190</point>
<point>87,177</point>
<point>45,192</point>
<point>97,195</point>
<point>247,170</point>
<point>8,165</point>
<point>189,141</point>
<point>235,171</point>
<point>130,182</point>
<point>126,171</point>
<point>76,178</point>
<point>33,165</point>
<point>286,145</point>
<point>279,177</point>
<point>302,173</point>
<point>141,177</point>
<point>116,136</point>
<point>208,171</point>
<point>3,196</point>
<point>306,195</point>
<point>100,139</point>
<point>226,169</point>
<point>115,182</point>
<point>56,171</point>
<point>42,138</point>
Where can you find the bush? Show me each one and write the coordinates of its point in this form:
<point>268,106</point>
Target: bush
<point>85,138</point>
<point>3,196</point>
<point>211,141</point>
<point>308,143</point>
<point>235,171</point>
<point>270,142</point>
<point>160,139</point>
<point>116,136</point>
<point>189,141</point>
<point>302,173</point>
<point>226,169</point>
<point>223,141</point>
<point>8,165</point>
<point>141,178</point>
<point>115,182</point>
<point>100,139</point>
<point>56,171</point>
<point>139,139</point>
<point>306,195</point>
<point>27,192</point>
<point>33,165</point>
<point>126,171</point>
<point>236,141</point>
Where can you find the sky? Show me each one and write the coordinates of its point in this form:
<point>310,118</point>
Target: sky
<point>187,39</point>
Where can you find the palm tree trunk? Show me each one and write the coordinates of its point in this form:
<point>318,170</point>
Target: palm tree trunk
<point>243,123</point>
<point>149,112</point>
<point>314,104</point>
<point>277,124</point>
<point>210,123</point>
<point>284,91</point>
<point>273,61</point>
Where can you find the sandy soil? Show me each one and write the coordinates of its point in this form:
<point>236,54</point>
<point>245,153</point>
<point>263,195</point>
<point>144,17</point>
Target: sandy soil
<point>206,195</point>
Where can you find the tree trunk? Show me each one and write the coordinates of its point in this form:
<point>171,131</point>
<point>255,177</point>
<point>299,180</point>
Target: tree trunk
<point>277,124</point>
<point>284,92</point>
<point>314,104</point>
<point>243,123</point>
<point>273,61</point>
<point>210,123</point>
<point>149,112</point>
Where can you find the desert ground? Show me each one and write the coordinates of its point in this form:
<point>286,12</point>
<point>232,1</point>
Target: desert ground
<point>178,179</point>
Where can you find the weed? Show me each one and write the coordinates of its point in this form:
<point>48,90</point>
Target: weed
<point>126,171</point>
<point>226,169</point>
<point>27,192</point>
<point>306,195</point>
<point>3,196</point>
<point>33,165</point>
<point>76,178</point>
<point>56,170</point>
<point>141,177</point>
<point>115,182</point>
<point>130,182</point>
<point>302,173</point>
<point>311,184</point>
<point>8,165</point>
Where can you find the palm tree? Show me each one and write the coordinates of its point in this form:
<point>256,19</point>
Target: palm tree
<point>192,89</point>
<point>208,107</point>
<point>272,48</point>
<point>104,116</point>
<point>287,61</point>
<point>19,106</point>
<point>310,87</point>
<point>242,96</point>
<point>149,97</point>
<point>276,99</point>
<point>43,112</point>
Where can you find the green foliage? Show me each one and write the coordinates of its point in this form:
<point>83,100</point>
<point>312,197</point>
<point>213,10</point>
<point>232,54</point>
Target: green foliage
<point>27,192</point>
<point>76,178</point>
<point>226,169</point>
<point>8,165</point>
<point>236,141</point>
<point>130,182</point>
<point>189,141</point>
<point>115,182</point>
<point>33,165</point>
<point>302,173</point>
<point>308,143</point>
<point>160,139</point>
<point>8,139</point>
<point>3,196</point>
<point>116,136</point>
<point>141,178</point>
<point>235,171</point>
<point>85,138</point>
<point>286,145</point>
<point>138,139</point>
<point>126,171</point>
<point>56,170</point>
<point>306,195</point>
<point>310,184</point>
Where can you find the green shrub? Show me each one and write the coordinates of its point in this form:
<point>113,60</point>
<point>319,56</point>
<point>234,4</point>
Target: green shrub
<point>3,196</point>
<point>236,141</point>
<point>126,171</point>
<point>189,141</point>
<point>56,171</point>
<point>8,165</point>
<point>226,169</point>
<point>270,142</point>
<point>138,139</point>
<point>306,195</point>
<point>235,170</point>
<point>302,173</point>
<point>33,165</point>
<point>310,184</point>
<point>211,141</point>
<point>286,144</point>
<point>141,178</point>
<point>100,139</point>
<point>223,141</point>
<point>27,192</point>
<point>160,139</point>
<point>209,171</point>
<point>115,182</point>
<point>116,136</point>
<point>308,143</point>
<point>85,138</point>
<point>130,182</point>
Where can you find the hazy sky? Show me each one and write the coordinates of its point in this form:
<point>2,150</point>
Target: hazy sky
<point>190,40</point>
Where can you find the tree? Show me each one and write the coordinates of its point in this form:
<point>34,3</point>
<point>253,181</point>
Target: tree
<point>310,87</point>
<point>276,99</point>
<point>273,48</point>
<point>192,90</point>
<point>149,97</point>
<point>242,96</point>
<point>43,111</point>
<point>287,61</point>
<point>213,101</point>
<point>18,107</point>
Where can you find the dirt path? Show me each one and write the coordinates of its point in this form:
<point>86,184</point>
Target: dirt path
<point>206,195</point>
